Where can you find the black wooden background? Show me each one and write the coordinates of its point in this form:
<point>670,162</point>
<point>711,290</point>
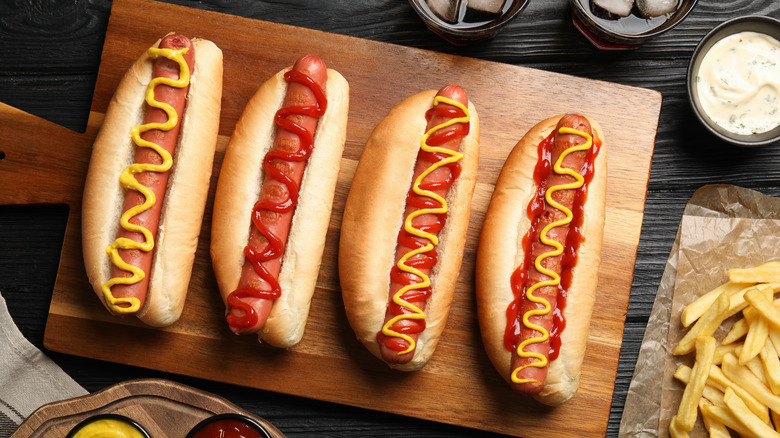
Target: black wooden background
<point>49,57</point>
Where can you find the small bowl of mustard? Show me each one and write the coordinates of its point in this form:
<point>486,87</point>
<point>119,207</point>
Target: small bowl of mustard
<point>734,81</point>
<point>108,425</point>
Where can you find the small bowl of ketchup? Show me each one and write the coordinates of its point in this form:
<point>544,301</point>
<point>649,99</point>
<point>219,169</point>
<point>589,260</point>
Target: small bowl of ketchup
<point>229,426</point>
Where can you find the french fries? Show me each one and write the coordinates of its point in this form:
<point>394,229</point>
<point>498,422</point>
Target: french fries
<point>723,416</point>
<point>734,381</point>
<point>696,309</point>
<point>771,363</point>
<point>747,418</point>
<point>705,326</point>
<point>705,353</point>
<point>767,273</point>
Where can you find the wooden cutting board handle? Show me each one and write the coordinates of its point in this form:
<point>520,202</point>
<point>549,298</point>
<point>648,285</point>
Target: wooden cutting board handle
<point>42,162</point>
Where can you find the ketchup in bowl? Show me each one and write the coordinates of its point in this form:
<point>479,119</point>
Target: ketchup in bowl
<point>228,426</point>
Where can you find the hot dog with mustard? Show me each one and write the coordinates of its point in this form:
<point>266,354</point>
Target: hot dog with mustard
<point>538,256</point>
<point>148,179</point>
<point>405,222</point>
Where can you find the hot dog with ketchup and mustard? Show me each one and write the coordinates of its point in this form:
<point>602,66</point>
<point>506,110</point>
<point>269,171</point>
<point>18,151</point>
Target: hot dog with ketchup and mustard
<point>148,179</point>
<point>405,223</point>
<point>538,256</point>
<point>274,197</point>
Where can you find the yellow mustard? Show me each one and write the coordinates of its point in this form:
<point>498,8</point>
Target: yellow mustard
<point>129,182</point>
<point>454,156</point>
<point>555,279</point>
<point>108,428</point>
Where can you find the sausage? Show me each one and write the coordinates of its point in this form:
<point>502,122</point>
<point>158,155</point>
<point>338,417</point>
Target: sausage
<point>529,379</point>
<point>148,179</point>
<point>274,197</point>
<point>538,256</point>
<point>396,349</point>
<point>396,228</point>
<point>284,166</point>
<point>154,180</point>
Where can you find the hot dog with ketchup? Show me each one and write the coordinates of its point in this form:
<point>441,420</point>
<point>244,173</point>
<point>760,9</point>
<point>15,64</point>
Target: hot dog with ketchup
<point>404,225</point>
<point>148,179</point>
<point>538,257</point>
<point>274,197</point>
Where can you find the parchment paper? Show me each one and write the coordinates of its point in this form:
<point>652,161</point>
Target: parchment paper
<point>722,227</point>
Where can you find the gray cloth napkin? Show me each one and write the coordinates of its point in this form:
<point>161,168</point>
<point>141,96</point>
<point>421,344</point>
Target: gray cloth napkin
<point>28,378</point>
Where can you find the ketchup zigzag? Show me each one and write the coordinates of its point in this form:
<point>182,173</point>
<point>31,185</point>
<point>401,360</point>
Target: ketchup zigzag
<point>128,180</point>
<point>541,359</point>
<point>420,290</point>
<point>275,247</point>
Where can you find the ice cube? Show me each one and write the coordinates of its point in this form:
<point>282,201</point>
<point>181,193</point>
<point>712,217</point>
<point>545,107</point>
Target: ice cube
<point>490,6</point>
<point>446,10</point>
<point>616,7</point>
<point>656,8</point>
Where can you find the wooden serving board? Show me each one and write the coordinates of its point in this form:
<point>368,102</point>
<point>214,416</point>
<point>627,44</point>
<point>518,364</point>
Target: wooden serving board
<point>163,408</point>
<point>47,164</point>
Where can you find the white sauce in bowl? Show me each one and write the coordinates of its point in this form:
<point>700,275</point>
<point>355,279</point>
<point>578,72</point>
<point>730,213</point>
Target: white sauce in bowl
<point>738,83</point>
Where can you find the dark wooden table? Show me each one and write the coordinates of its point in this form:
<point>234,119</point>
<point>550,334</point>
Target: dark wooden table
<point>49,57</point>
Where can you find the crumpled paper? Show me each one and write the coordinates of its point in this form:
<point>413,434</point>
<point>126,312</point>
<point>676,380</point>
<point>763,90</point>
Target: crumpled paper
<point>723,227</point>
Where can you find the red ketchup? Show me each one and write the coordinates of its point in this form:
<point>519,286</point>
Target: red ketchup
<point>424,261</point>
<point>276,245</point>
<point>229,428</point>
<point>569,257</point>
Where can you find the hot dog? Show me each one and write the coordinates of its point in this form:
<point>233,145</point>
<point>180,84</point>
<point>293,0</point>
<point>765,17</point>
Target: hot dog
<point>404,225</point>
<point>274,197</point>
<point>538,257</point>
<point>148,179</point>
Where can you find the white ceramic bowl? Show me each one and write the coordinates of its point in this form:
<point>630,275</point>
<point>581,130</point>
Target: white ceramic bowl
<point>760,24</point>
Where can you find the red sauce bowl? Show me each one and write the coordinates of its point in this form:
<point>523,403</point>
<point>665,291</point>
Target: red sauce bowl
<point>228,426</point>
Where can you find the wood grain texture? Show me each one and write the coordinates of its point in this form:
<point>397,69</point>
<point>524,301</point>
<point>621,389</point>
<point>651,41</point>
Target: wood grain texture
<point>51,53</point>
<point>161,407</point>
<point>459,385</point>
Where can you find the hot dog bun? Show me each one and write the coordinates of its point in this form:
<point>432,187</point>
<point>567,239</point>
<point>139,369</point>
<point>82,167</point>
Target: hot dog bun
<point>500,252</point>
<point>185,200</point>
<point>373,216</point>
<point>238,189</point>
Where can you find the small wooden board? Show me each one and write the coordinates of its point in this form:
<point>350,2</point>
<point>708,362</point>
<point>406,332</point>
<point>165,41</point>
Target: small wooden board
<point>47,164</point>
<point>163,408</point>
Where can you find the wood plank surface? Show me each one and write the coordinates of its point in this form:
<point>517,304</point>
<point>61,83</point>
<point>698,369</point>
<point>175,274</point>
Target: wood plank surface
<point>162,407</point>
<point>459,386</point>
